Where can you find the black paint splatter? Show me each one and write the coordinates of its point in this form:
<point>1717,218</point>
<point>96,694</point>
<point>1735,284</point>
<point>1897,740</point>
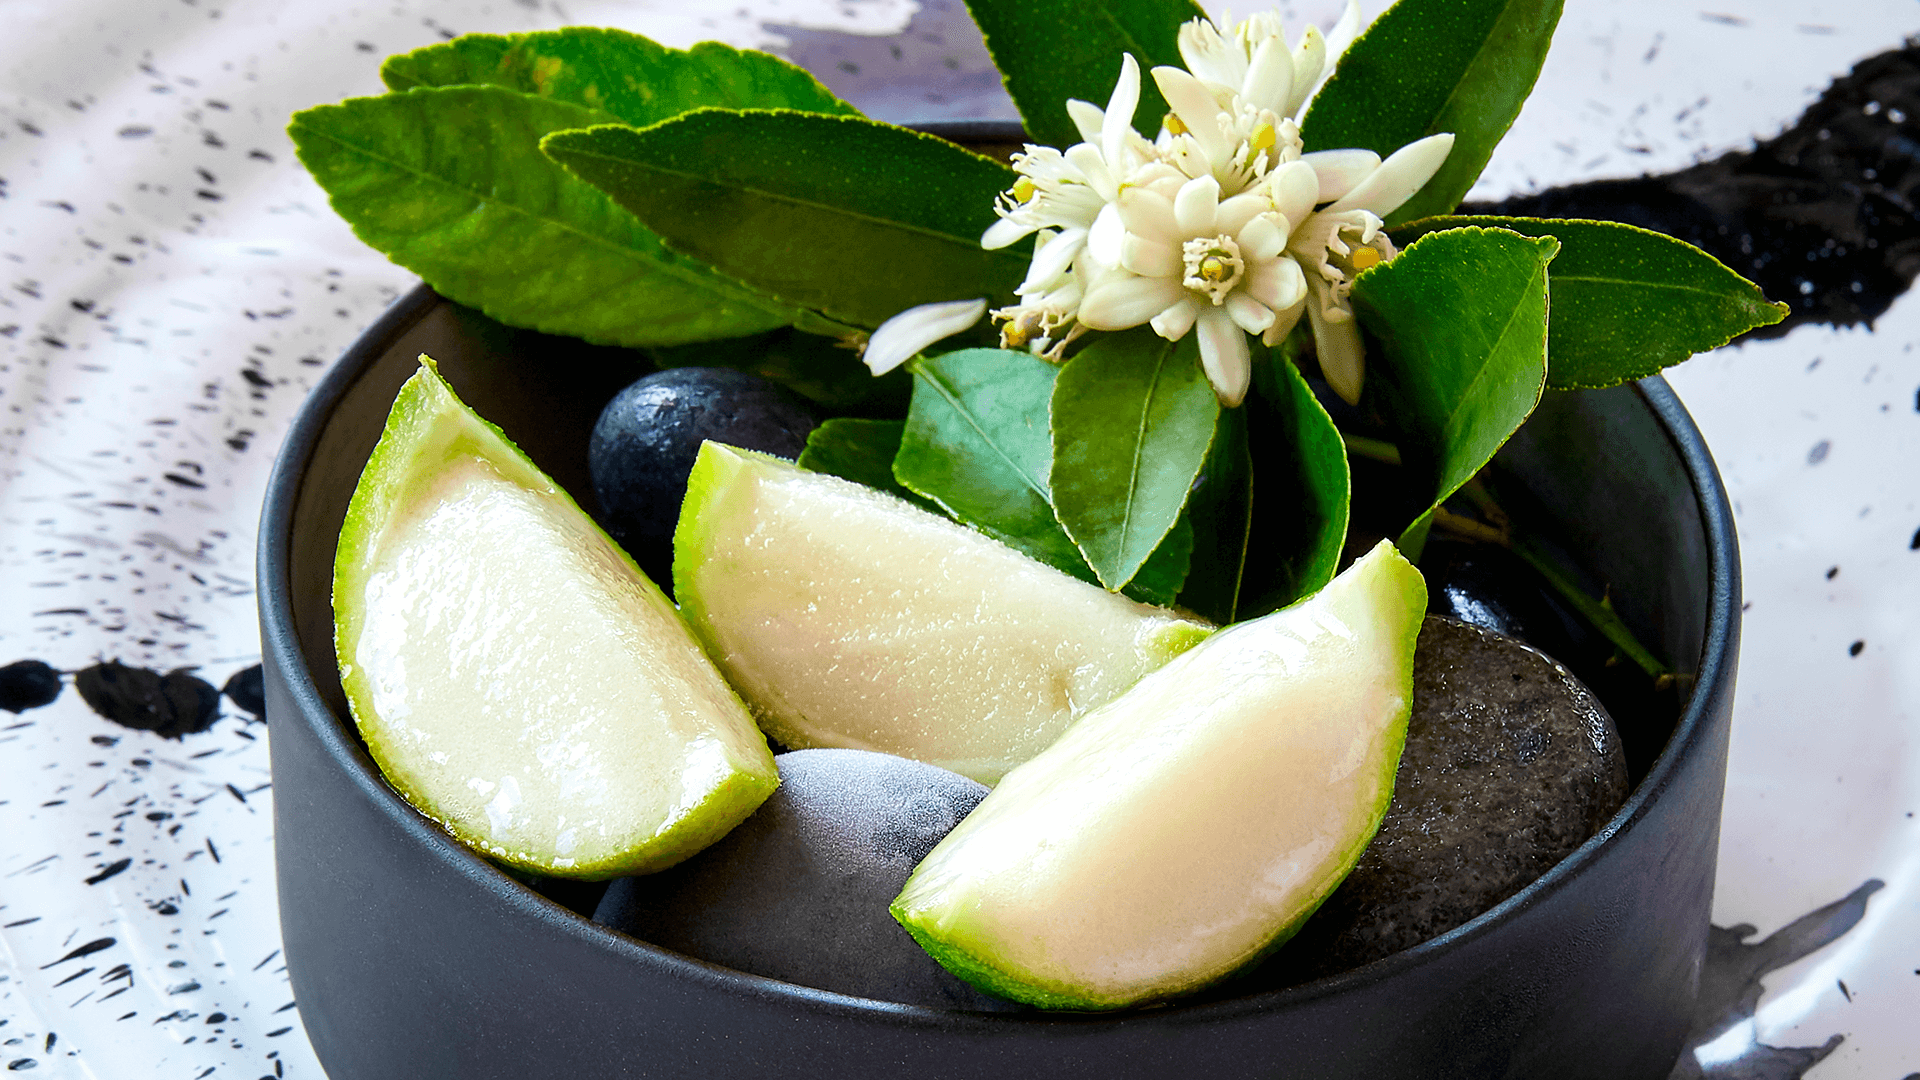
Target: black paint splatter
<point>88,949</point>
<point>110,870</point>
<point>28,684</point>
<point>246,689</point>
<point>171,705</point>
<point>1822,216</point>
<point>1730,990</point>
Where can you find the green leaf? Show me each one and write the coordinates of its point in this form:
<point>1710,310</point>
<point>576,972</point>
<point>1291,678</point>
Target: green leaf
<point>1220,512</point>
<point>853,218</point>
<point>977,445</point>
<point>1051,50</point>
<point>1428,66</point>
<point>1461,320</point>
<point>1628,302</point>
<point>1304,494</point>
<point>1132,417</point>
<point>631,78</point>
<point>450,183</point>
<point>861,451</point>
<point>820,369</point>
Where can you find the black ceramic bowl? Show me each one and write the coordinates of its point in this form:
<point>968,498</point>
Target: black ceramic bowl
<point>412,958</point>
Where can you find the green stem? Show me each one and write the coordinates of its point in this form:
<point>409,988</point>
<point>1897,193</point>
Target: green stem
<point>1597,612</point>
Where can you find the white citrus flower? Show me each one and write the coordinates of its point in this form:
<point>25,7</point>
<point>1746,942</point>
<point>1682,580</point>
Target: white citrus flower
<point>1197,261</point>
<point>1345,237</point>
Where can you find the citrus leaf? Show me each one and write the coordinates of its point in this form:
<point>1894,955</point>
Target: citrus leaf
<point>1461,320</point>
<point>450,183</point>
<point>1220,512</point>
<point>861,451</point>
<point>1628,302</point>
<point>1303,492</point>
<point>635,80</point>
<point>977,445</point>
<point>857,219</point>
<point>1132,418</point>
<point>1428,66</point>
<point>1051,50</point>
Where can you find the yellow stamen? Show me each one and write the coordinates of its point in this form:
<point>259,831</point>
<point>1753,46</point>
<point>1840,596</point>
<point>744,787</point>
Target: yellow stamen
<point>1174,126</point>
<point>1023,190</point>
<point>1365,257</point>
<point>1263,138</point>
<point>1216,268</point>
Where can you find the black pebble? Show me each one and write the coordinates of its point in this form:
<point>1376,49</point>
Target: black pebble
<point>647,437</point>
<point>171,705</point>
<point>800,890</point>
<point>28,684</point>
<point>1510,765</point>
<point>246,689</point>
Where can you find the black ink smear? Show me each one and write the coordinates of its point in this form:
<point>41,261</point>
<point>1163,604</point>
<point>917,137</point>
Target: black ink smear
<point>246,689</point>
<point>88,949</point>
<point>1730,990</point>
<point>28,684</point>
<point>171,705</point>
<point>110,870</point>
<point>1821,216</point>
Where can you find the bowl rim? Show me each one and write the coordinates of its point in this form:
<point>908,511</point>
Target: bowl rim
<point>281,646</point>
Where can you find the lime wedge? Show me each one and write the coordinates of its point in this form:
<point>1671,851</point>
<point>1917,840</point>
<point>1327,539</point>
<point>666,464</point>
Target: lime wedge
<point>514,675</point>
<point>1190,826</point>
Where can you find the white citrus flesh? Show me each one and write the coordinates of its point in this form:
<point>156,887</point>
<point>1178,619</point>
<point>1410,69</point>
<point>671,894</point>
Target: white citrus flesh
<point>514,674</point>
<point>850,618</point>
<point>1192,824</point>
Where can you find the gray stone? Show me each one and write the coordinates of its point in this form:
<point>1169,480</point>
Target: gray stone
<point>799,891</point>
<point>1510,765</point>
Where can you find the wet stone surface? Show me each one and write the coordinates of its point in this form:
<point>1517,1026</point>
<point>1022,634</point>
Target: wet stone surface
<point>799,891</point>
<point>1510,765</point>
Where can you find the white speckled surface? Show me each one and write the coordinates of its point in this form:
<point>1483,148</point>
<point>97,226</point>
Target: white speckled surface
<point>171,284</point>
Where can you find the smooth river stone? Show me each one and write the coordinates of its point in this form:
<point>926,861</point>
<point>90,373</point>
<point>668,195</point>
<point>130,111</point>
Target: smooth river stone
<point>1510,765</point>
<point>799,891</point>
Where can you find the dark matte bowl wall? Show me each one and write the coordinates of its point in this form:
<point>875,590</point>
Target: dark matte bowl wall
<point>411,958</point>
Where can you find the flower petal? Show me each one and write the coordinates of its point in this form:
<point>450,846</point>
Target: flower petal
<point>1105,237</point>
<point>1280,284</point>
<point>1247,313</point>
<point>1340,171</point>
<point>1309,67</point>
<point>1395,181</point>
<point>1210,54</point>
<point>1197,108</point>
<point>1052,260</point>
<point>1294,188</point>
<point>1284,321</point>
<point>1270,77</point>
<point>1260,240</point>
<point>1121,301</point>
<point>1086,158</point>
<point>1343,359</point>
<point>1224,356</point>
<point>1175,321</point>
<point>1087,117</point>
<point>1004,232</point>
<point>1117,121</point>
<point>1193,208</point>
<point>898,339</point>
<point>1233,214</point>
<point>1343,32</point>
<point>1149,258</point>
<point>1149,215</point>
